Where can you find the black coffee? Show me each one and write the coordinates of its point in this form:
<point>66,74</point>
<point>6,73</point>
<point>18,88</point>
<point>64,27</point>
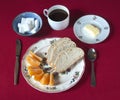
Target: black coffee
<point>58,15</point>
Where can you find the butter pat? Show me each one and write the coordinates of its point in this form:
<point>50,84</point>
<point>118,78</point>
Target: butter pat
<point>91,30</point>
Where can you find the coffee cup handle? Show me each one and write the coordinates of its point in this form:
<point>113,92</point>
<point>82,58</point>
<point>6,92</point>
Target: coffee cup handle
<point>45,12</point>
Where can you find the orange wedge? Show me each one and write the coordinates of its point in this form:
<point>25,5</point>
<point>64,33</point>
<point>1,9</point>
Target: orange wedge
<point>32,67</point>
<point>34,71</point>
<point>35,56</point>
<point>38,77</point>
<point>52,81</point>
<point>45,79</point>
<point>32,61</point>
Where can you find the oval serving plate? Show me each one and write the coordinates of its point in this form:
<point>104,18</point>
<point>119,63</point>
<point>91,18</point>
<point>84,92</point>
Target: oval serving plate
<point>98,21</point>
<point>66,80</point>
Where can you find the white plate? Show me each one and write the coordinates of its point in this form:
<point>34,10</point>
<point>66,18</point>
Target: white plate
<point>66,80</point>
<point>98,21</point>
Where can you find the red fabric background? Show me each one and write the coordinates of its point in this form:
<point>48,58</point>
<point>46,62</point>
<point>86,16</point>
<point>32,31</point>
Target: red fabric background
<point>107,65</point>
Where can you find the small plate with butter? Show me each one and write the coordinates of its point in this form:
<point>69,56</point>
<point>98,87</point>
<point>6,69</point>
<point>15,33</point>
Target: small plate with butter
<point>91,29</point>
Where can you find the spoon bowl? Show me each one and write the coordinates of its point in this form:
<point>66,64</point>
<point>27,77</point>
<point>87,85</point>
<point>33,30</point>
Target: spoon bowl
<point>92,54</point>
<point>92,57</point>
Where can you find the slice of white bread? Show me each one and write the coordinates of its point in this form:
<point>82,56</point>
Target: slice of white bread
<point>67,58</point>
<point>63,53</point>
<point>54,47</point>
<point>63,46</point>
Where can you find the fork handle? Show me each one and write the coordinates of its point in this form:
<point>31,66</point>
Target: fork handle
<point>93,79</point>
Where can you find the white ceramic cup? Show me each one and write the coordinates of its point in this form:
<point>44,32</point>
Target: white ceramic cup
<point>59,24</point>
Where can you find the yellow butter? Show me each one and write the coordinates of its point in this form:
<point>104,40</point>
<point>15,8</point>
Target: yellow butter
<point>91,30</point>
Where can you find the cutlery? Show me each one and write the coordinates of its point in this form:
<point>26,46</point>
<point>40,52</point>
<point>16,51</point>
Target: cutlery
<point>92,57</point>
<point>17,63</point>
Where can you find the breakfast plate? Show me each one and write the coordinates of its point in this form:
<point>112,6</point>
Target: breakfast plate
<point>65,80</point>
<point>95,20</point>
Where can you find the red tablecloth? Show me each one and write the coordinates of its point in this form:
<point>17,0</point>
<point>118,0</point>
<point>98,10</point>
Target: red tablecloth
<point>106,66</point>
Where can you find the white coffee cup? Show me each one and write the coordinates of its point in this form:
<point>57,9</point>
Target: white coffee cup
<point>58,17</point>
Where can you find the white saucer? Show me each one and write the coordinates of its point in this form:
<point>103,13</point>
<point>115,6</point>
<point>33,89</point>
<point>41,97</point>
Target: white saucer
<point>98,21</point>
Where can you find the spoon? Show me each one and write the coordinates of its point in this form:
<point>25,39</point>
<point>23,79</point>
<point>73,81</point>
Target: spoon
<point>92,57</point>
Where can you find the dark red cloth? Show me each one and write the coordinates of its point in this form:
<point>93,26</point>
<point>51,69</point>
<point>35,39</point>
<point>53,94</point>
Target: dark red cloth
<point>107,65</point>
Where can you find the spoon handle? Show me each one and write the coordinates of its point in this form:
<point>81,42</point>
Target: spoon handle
<point>93,80</point>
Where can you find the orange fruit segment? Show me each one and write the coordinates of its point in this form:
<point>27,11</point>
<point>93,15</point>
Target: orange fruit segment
<point>32,61</point>
<point>38,77</point>
<point>35,56</point>
<point>45,79</point>
<point>52,81</point>
<point>33,67</point>
<point>34,71</point>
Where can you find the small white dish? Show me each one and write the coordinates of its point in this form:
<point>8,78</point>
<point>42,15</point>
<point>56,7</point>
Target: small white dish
<point>98,21</point>
<point>65,81</point>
